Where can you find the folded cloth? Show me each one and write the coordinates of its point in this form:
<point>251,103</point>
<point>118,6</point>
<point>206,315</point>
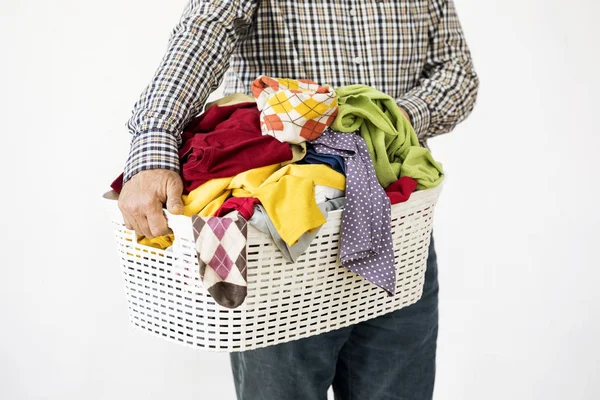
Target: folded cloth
<point>243,205</point>
<point>261,221</point>
<point>225,141</point>
<point>390,138</point>
<point>294,110</point>
<point>399,191</point>
<point>312,157</point>
<point>221,249</point>
<point>366,246</point>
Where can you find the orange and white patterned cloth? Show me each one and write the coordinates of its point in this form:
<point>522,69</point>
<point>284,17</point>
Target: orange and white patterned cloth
<point>294,111</point>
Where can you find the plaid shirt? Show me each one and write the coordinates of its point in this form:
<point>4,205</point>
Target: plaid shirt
<point>412,50</point>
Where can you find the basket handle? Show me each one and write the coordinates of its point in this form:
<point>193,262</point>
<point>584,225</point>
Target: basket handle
<point>177,223</point>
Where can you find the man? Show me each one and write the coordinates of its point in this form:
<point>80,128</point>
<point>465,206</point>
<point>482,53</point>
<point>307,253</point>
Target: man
<point>413,50</point>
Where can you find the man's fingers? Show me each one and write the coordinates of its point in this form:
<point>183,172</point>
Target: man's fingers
<point>174,202</point>
<point>134,225</point>
<point>130,222</point>
<point>157,222</point>
<point>141,201</point>
<point>128,219</point>
<point>142,223</point>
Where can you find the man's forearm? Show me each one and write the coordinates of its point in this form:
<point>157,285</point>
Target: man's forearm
<point>193,66</point>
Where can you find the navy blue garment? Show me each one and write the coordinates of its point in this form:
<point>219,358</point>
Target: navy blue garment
<point>312,157</point>
<point>388,357</point>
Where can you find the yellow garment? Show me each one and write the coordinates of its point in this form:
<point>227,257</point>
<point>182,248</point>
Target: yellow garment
<point>206,197</point>
<point>159,242</point>
<point>253,178</point>
<point>204,203</point>
<point>287,194</point>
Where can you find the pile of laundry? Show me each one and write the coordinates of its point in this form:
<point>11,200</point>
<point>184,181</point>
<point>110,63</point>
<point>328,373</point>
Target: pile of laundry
<point>281,161</point>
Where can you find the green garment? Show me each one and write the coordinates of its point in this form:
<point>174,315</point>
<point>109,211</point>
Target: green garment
<point>390,138</point>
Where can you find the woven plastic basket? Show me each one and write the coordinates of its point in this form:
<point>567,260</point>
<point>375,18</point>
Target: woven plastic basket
<point>285,301</point>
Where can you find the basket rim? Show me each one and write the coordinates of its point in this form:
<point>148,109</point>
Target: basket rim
<point>111,197</point>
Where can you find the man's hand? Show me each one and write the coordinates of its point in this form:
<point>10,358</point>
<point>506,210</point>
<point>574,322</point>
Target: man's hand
<point>405,113</point>
<point>142,198</point>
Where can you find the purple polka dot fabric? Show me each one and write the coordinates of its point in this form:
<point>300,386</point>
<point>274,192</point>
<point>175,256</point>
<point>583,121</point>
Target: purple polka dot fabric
<point>366,242</point>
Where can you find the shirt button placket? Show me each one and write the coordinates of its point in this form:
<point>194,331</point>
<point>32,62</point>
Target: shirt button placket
<point>357,60</point>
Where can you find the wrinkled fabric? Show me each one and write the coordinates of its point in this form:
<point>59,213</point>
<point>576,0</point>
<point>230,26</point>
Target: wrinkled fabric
<point>390,138</point>
<point>224,142</point>
<point>243,205</point>
<point>312,157</point>
<point>324,193</point>
<point>298,153</point>
<point>158,242</point>
<point>293,111</point>
<point>400,191</point>
<point>287,193</point>
<point>261,221</point>
<point>366,243</point>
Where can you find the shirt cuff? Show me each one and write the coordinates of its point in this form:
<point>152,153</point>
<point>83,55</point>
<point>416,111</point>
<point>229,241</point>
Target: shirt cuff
<point>152,150</point>
<point>418,111</point>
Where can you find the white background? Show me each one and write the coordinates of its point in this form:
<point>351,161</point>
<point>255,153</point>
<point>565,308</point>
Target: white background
<point>517,227</point>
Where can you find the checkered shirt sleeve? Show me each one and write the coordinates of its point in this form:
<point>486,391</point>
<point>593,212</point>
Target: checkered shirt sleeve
<point>447,88</point>
<point>412,50</point>
<point>193,66</point>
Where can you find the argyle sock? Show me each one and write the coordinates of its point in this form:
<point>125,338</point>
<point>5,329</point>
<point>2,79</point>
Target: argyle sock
<point>292,110</point>
<point>221,249</point>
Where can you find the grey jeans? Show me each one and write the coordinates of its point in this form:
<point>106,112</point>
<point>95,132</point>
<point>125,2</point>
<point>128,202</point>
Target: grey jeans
<point>391,357</point>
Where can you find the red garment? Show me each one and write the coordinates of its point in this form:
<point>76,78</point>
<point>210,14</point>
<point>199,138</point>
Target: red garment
<point>117,184</point>
<point>226,141</point>
<point>400,191</point>
<point>244,205</point>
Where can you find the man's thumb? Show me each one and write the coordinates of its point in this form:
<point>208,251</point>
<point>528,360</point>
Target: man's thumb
<point>174,202</point>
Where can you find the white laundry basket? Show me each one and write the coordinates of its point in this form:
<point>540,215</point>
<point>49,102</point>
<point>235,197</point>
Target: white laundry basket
<point>285,301</point>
